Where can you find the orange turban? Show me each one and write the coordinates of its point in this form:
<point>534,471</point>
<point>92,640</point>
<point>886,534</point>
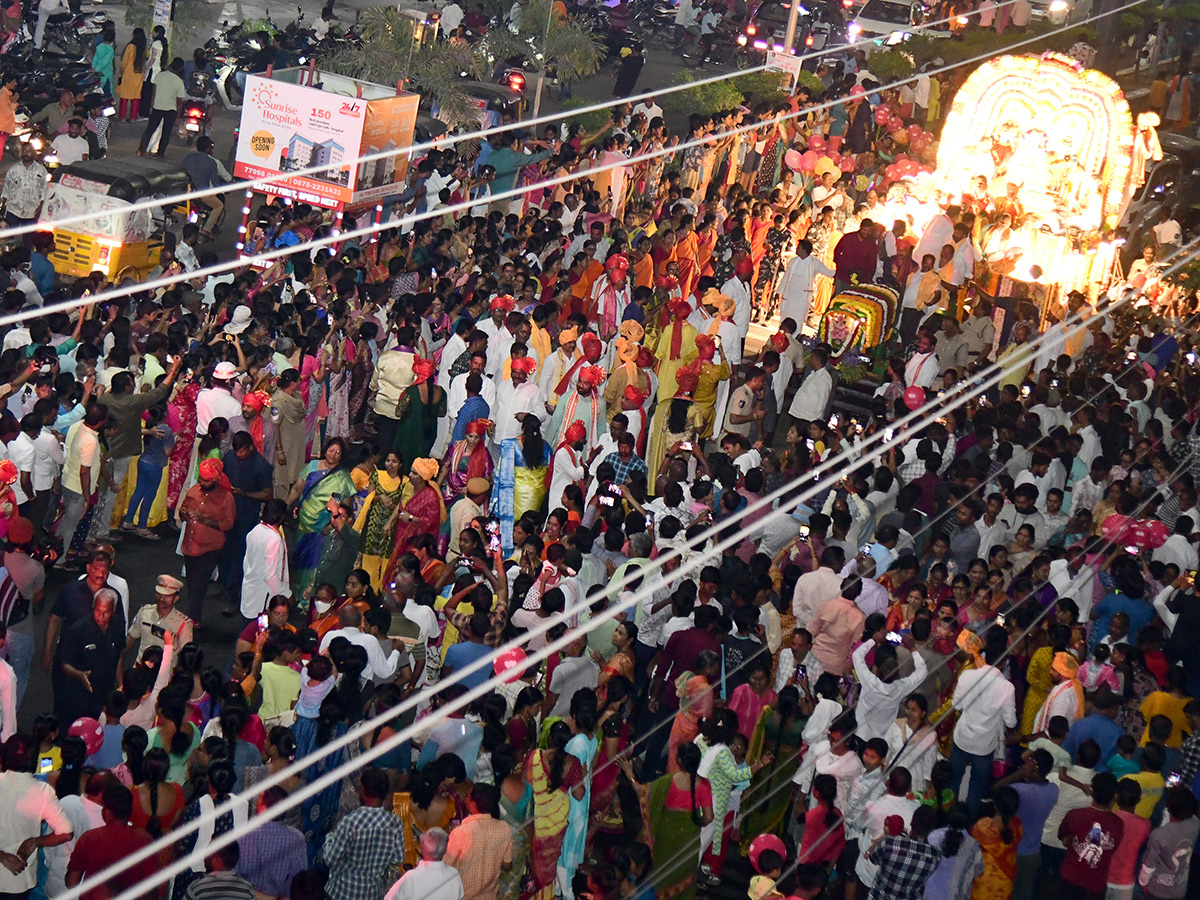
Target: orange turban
<point>525,364</point>
<point>568,336</point>
<point>504,301</point>
<point>426,468</point>
<point>210,469</point>
<point>423,369</point>
<point>479,427</point>
<point>632,330</point>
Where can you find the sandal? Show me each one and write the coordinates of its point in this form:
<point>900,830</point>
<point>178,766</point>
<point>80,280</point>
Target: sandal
<point>148,534</point>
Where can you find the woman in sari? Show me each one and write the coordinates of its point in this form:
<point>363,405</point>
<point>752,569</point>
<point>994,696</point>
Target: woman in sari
<point>678,808</point>
<point>312,386</point>
<point>621,663</point>
<point>582,746</point>
<point>466,459</point>
<point>695,693</point>
<point>318,810</point>
<point>385,487</point>
<point>520,477</point>
<point>361,369</point>
<point>998,836</point>
<point>181,419</point>
<point>418,411</point>
<point>8,499</point>
<point>556,776</point>
<point>615,817</point>
<point>779,734</point>
<point>516,806</point>
<point>319,481</point>
<point>421,514</point>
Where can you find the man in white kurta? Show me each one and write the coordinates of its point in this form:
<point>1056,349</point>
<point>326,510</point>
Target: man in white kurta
<point>556,366</point>
<point>517,398</point>
<point>796,285</point>
<point>569,463</point>
<point>266,565</point>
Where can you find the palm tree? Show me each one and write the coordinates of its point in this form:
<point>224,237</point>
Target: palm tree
<point>391,53</point>
<point>547,39</point>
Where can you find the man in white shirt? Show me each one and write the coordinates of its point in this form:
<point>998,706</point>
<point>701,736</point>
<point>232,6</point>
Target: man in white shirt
<point>71,147</point>
<point>922,369</point>
<point>686,16</point>
<point>796,286</point>
<point>456,396</point>
<point>815,589</point>
<point>379,667</point>
<point>649,107</point>
<point>813,394</point>
<point>265,569</point>
<point>882,691</point>
<point>568,465</point>
<point>517,398</point>
<point>986,701</point>
<point>1178,548</point>
<point>432,879</point>
<point>898,801</point>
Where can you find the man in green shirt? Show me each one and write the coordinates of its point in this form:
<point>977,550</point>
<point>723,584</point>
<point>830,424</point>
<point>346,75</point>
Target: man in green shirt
<point>509,160</point>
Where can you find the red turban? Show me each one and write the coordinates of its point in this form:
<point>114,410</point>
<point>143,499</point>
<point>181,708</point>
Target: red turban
<point>591,376</point>
<point>504,301</point>
<point>8,472</point>
<point>618,263</point>
<point>479,427</point>
<point>575,432</point>
<point>745,268</point>
<point>686,379</point>
<point>423,369</point>
<point>706,346</point>
<point>213,470</point>
<point>634,395</point>
<point>525,364</point>
<point>257,400</point>
<point>779,340</point>
<point>679,308</point>
<point>592,346</point>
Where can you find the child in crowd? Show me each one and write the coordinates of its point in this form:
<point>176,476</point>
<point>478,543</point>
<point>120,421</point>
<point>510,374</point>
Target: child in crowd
<point>1097,670</point>
<point>316,681</point>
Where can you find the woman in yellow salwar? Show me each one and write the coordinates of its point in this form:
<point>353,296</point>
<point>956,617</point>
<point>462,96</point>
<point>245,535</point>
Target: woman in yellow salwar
<point>778,733</point>
<point>553,773</point>
<point>709,378</point>
<point>385,487</point>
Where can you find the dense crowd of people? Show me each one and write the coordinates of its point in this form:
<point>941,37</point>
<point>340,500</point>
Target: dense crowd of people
<point>409,463</point>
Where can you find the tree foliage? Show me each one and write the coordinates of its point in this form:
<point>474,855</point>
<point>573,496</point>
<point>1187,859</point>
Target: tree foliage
<point>568,45</point>
<point>390,53</point>
<point>704,99</point>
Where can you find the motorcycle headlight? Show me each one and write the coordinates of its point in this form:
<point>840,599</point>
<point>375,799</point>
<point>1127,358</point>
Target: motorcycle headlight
<point>1058,6</point>
<point>742,40</point>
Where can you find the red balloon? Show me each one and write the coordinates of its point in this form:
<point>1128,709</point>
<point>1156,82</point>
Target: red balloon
<point>914,130</point>
<point>895,123</point>
<point>834,157</point>
<point>882,114</point>
<point>816,142</point>
<point>509,664</point>
<point>848,164</point>
<point>808,160</point>
<point>765,842</point>
<point>914,397</point>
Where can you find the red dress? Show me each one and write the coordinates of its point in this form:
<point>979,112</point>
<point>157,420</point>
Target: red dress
<point>184,406</point>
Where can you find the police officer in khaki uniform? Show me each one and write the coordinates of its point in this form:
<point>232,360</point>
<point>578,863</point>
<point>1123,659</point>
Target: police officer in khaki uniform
<point>155,619</point>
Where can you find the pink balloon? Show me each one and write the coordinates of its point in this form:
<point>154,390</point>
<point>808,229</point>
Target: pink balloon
<point>848,164</point>
<point>892,172</point>
<point>914,130</point>
<point>882,114</point>
<point>792,159</point>
<point>816,142</point>
<point>765,842</point>
<point>511,662</point>
<point>895,123</point>
<point>834,157</point>
<point>914,397</point>
<point>808,160</point>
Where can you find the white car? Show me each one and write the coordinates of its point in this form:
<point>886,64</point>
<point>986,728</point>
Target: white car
<point>889,21</point>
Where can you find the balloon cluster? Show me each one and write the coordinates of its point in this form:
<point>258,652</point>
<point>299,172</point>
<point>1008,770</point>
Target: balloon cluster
<point>818,158</point>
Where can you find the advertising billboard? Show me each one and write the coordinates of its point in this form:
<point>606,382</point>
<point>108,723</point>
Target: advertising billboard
<point>287,127</point>
<point>389,125</point>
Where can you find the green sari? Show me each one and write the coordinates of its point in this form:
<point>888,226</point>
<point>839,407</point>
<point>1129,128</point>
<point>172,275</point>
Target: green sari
<point>676,844</point>
<point>319,487</point>
<point>766,801</point>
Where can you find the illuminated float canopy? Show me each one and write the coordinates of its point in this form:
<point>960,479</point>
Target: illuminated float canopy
<point>1054,142</point>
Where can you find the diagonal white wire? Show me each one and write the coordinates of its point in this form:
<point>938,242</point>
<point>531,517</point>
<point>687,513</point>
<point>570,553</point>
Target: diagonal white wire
<point>650,582</point>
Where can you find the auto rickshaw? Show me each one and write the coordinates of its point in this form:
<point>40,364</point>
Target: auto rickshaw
<point>114,239</point>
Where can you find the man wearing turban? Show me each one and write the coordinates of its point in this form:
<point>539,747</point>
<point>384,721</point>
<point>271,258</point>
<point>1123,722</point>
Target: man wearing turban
<point>568,465</point>
<point>556,365</point>
<point>625,370</point>
<point>208,512</point>
<point>516,399</point>
<point>585,405</point>
<point>1066,697</point>
<point>723,326</point>
<point>711,376</point>
<point>498,309</point>
<point>253,422</point>
<point>610,295</point>
<point>676,348</point>
<point>633,405</point>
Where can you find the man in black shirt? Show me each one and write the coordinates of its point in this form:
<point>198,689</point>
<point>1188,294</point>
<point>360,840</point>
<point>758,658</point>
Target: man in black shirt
<point>90,660</point>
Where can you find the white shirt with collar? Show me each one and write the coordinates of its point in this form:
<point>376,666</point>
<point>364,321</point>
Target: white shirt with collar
<point>987,703</point>
<point>879,701</point>
<point>378,665</point>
